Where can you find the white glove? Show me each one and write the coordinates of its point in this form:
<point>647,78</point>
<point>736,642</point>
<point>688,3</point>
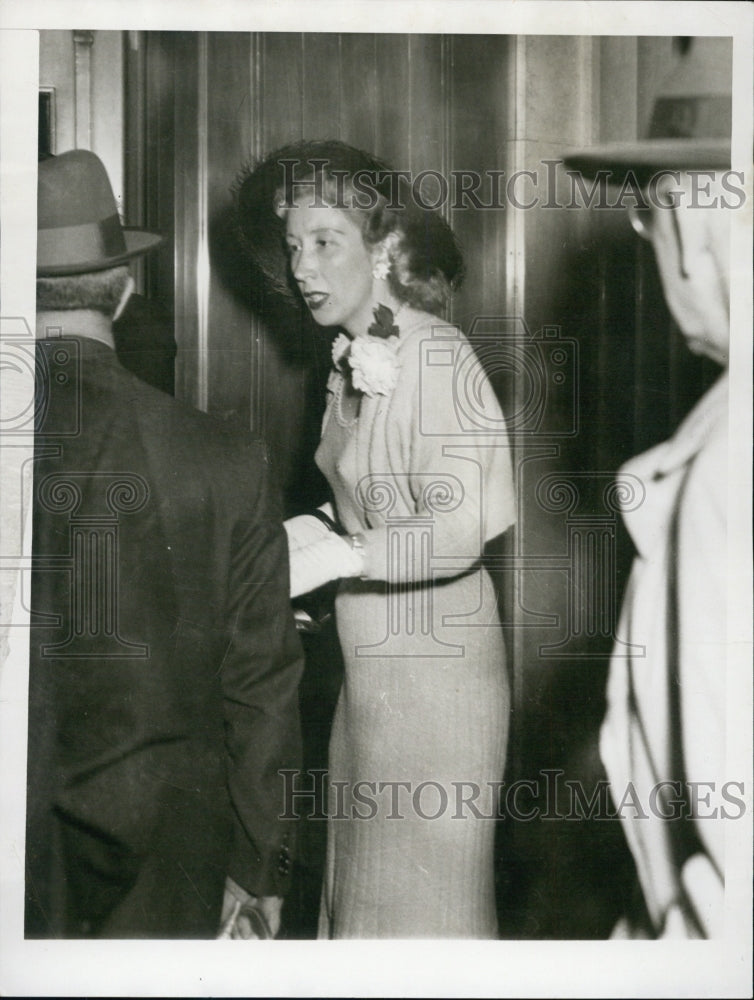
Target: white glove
<point>307,529</point>
<point>328,559</point>
<point>236,921</point>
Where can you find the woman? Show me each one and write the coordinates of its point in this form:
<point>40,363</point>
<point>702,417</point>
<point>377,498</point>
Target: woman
<point>414,449</point>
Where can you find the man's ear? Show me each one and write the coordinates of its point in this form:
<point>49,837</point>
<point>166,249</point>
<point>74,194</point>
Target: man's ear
<point>702,230</point>
<point>127,293</point>
<point>705,231</point>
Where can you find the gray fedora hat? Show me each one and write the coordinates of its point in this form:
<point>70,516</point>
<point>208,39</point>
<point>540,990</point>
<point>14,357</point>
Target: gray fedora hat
<point>690,128</point>
<point>78,227</point>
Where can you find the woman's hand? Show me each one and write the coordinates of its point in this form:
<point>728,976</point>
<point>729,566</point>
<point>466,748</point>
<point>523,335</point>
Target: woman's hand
<point>328,559</point>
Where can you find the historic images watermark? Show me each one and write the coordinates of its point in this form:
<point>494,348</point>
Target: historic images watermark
<point>548,796</point>
<point>550,186</point>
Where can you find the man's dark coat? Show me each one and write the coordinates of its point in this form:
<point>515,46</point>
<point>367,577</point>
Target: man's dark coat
<point>164,662</point>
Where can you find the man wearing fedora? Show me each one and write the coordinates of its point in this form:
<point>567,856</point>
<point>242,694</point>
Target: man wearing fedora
<point>164,661</point>
<point>663,736</point>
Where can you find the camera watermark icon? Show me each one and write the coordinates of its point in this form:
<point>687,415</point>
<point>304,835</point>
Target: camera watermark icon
<point>538,373</point>
<point>30,370</point>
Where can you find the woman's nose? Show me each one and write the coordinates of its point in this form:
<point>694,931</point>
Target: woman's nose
<point>303,265</point>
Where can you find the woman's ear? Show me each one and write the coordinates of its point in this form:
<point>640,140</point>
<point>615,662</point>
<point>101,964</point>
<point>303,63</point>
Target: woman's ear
<point>127,293</point>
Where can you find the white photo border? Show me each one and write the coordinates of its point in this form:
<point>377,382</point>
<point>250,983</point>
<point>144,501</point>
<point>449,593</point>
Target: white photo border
<point>417,968</point>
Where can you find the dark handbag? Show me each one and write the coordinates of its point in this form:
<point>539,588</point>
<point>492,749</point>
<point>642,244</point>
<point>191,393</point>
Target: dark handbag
<point>313,611</point>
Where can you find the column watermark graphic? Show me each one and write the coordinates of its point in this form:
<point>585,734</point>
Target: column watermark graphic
<point>92,562</point>
<point>590,562</point>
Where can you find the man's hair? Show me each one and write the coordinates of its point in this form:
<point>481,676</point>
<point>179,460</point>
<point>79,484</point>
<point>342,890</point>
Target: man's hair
<point>100,291</point>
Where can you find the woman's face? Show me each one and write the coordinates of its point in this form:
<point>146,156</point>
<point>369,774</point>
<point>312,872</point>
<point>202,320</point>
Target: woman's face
<point>332,266</point>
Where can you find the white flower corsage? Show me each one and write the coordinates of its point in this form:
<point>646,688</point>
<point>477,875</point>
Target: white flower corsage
<point>372,361</point>
<point>340,348</point>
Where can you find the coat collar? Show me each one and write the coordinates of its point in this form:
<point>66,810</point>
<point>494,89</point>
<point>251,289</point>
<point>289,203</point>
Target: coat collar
<point>689,439</point>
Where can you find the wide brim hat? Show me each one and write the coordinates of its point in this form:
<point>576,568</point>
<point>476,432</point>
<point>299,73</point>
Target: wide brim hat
<point>78,226</point>
<point>261,230</point>
<point>690,126</point>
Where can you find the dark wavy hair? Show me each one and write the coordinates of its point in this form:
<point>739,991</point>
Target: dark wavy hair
<point>426,263</point>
